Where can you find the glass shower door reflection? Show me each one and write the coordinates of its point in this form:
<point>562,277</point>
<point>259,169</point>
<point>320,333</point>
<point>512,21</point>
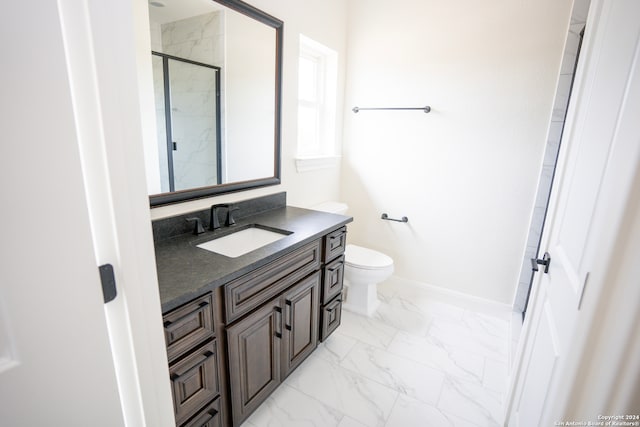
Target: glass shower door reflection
<point>187,107</point>
<point>194,125</point>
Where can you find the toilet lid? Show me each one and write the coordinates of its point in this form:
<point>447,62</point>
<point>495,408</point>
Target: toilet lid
<point>365,258</point>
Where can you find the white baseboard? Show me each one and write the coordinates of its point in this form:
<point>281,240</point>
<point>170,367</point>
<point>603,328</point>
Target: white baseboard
<point>467,301</point>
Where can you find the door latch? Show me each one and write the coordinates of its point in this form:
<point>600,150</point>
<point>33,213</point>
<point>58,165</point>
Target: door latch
<point>546,260</point>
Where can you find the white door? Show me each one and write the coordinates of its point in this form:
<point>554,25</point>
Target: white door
<point>56,367</point>
<point>609,68</point>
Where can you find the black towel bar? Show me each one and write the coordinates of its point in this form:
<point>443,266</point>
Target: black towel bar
<point>403,219</point>
<point>426,108</point>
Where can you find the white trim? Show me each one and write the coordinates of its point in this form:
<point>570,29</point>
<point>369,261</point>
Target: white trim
<point>104,88</point>
<point>469,302</point>
<point>306,164</point>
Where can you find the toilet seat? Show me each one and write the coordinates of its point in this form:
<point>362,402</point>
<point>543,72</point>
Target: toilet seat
<point>366,259</point>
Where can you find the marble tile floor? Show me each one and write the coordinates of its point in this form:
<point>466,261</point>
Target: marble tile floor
<point>420,361</point>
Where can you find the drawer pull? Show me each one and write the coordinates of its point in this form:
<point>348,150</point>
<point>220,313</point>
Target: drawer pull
<point>333,305</point>
<point>203,304</point>
<point>212,412</point>
<point>278,332</point>
<point>197,360</point>
<point>337,267</point>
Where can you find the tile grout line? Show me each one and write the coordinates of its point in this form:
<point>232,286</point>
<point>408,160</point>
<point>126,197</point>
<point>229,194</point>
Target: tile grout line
<point>395,402</point>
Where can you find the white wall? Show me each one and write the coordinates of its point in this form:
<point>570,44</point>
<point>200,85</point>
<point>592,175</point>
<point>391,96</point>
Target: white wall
<point>324,21</point>
<point>249,75</point>
<point>466,173</point>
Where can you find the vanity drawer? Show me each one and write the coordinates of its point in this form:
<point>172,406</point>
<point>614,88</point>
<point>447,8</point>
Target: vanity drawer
<point>188,326</point>
<point>195,380</point>
<point>335,243</point>
<point>333,275</point>
<point>251,290</point>
<point>331,315</point>
<point>208,417</point>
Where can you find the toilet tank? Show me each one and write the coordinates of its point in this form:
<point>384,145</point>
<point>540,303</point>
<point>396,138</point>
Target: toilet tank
<point>332,207</point>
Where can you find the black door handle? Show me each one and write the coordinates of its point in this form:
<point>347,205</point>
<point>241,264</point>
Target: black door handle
<point>546,260</point>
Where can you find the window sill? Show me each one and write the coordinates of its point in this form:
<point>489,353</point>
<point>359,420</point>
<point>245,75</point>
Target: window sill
<point>306,164</point>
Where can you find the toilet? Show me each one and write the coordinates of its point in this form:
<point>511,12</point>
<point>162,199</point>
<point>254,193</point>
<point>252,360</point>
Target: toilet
<point>364,269</point>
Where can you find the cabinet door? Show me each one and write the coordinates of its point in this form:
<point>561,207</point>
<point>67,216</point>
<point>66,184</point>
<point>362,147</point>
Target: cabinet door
<point>300,335</point>
<point>254,359</point>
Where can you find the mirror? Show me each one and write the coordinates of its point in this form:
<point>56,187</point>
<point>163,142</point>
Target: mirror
<point>217,68</point>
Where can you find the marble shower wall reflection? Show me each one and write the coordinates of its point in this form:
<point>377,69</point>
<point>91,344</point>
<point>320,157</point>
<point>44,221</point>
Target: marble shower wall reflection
<point>193,98</point>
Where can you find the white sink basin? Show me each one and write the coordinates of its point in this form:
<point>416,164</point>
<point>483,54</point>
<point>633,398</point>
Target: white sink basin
<point>243,241</point>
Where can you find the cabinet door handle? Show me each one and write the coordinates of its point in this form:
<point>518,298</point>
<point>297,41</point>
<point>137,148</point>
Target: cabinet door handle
<point>288,315</point>
<point>278,332</point>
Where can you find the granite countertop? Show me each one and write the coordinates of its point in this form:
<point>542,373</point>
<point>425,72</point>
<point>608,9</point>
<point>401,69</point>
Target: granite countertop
<point>186,271</point>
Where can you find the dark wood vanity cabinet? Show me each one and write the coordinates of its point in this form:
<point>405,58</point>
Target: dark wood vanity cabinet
<point>268,344</point>
<point>231,348</point>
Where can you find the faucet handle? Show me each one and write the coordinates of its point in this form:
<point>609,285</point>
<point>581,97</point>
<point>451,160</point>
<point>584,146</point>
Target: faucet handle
<point>230,211</point>
<point>197,229</point>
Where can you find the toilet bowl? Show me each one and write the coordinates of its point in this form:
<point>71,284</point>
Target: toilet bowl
<point>364,269</point>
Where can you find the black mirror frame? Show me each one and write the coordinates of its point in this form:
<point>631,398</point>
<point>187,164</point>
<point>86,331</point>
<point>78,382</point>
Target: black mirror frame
<point>214,190</point>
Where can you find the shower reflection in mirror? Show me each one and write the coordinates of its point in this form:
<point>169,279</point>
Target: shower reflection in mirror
<point>187,101</point>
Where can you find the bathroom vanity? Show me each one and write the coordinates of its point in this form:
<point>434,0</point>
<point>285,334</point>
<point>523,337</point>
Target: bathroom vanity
<point>235,328</point>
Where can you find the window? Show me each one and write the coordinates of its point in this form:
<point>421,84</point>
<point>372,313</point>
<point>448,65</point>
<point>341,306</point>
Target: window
<point>317,85</point>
